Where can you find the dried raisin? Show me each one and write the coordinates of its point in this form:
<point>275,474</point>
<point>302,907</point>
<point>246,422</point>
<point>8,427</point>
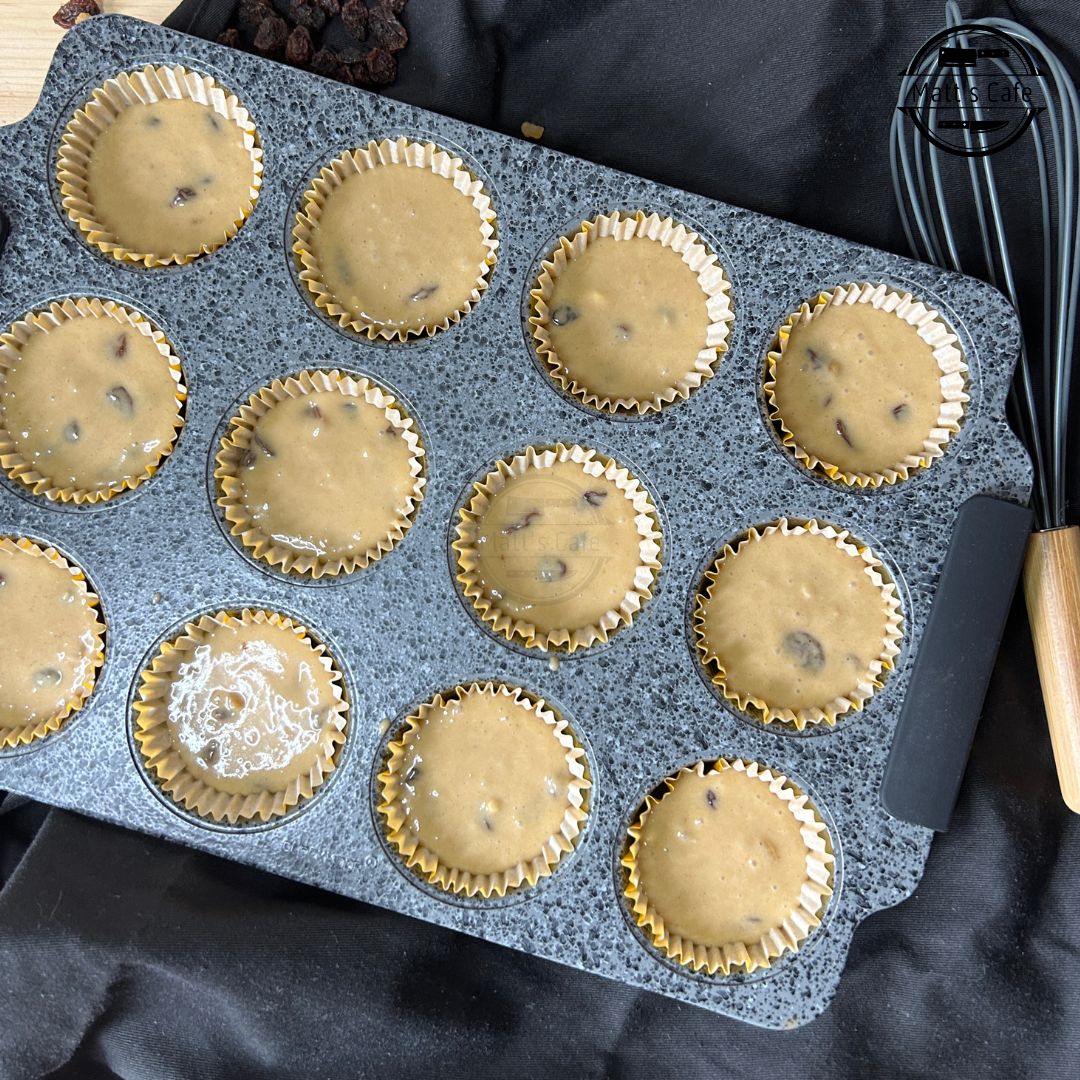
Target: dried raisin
<point>380,67</point>
<point>308,14</point>
<point>69,13</point>
<point>271,37</point>
<point>354,14</point>
<point>230,37</point>
<point>299,49</point>
<point>386,31</point>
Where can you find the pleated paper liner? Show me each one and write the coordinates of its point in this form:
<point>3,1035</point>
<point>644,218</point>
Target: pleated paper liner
<point>28,733</point>
<point>777,940</point>
<point>423,861</point>
<point>932,329</point>
<point>166,766</point>
<point>566,639</point>
<point>129,88</point>
<point>43,322</point>
<point>715,287</point>
<point>375,154</point>
<point>237,442</point>
<point>863,686</point>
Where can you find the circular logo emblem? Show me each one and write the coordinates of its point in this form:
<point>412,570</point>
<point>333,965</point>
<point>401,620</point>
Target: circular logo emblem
<point>972,90</point>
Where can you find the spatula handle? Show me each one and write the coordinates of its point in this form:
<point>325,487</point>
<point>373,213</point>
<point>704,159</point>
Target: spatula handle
<point>1052,590</point>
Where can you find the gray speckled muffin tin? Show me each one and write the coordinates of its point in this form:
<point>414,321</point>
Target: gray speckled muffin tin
<point>400,630</point>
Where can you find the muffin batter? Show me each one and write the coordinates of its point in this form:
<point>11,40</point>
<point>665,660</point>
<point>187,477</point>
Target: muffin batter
<point>168,177</point>
<point>627,318</point>
<point>793,620</point>
<point>858,388</point>
<point>398,246</point>
<point>90,403</point>
<point>48,638</point>
<point>250,706</point>
<point>485,782</point>
<point>721,859</point>
<point>327,473</point>
<point>558,547</point>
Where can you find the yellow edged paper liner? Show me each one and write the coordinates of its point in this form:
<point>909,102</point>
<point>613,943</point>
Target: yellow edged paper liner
<point>389,152</point>
<point>424,862</point>
<point>738,956</point>
<point>237,441</point>
<point>567,639</point>
<point>711,277</point>
<point>932,328</point>
<point>871,679</point>
<point>163,761</point>
<point>42,322</point>
<point>27,733</point>
<point>106,103</point>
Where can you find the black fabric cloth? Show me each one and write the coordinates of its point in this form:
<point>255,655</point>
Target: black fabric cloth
<point>123,956</point>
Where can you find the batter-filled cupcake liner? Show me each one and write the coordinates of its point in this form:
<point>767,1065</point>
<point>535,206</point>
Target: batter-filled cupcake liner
<point>375,154</point>
<point>43,322</point>
<point>28,733</point>
<point>567,639</point>
<point>237,443</point>
<point>164,762</point>
<point>932,329</point>
<point>424,862</point>
<point>695,254</point>
<point>788,936</point>
<point>866,684</point>
<point>106,103</point>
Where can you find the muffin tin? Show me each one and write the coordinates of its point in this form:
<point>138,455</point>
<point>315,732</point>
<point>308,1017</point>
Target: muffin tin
<point>399,629</point>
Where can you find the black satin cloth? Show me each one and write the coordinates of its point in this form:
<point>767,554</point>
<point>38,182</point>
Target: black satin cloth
<point>123,956</point>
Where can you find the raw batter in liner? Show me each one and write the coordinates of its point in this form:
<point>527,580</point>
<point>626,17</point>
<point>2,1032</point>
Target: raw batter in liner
<point>327,473</point>
<point>399,246</point>
<point>721,859</point>
<point>485,782</point>
<point>90,403</point>
<point>557,547</point>
<point>169,176</point>
<point>858,388</point>
<point>793,620</point>
<point>627,318</point>
<point>250,707</point>
<point>48,638</point>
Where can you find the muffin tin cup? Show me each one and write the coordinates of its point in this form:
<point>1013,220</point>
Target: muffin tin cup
<point>400,630</point>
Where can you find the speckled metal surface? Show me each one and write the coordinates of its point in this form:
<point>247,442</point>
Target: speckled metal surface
<point>399,629</point>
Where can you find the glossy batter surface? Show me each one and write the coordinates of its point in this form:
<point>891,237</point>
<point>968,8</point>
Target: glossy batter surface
<point>721,859</point>
<point>399,246</point>
<point>858,388</point>
<point>249,708</point>
<point>327,474</point>
<point>47,638</point>
<point>485,784</point>
<point>90,403</point>
<point>794,620</point>
<point>557,547</point>
<point>170,176</point>
<point>628,318</point>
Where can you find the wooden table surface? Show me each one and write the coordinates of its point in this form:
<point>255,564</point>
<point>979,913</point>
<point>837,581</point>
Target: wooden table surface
<point>28,37</point>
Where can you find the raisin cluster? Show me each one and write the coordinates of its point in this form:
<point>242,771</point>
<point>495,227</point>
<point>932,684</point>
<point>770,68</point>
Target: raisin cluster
<point>345,40</point>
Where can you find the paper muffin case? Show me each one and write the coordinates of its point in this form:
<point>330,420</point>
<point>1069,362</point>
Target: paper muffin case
<point>668,233</point>
<point>389,152</point>
<point>28,733</point>
<point>871,679</point>
<point>43,322</point>
<point>567,639</point>
<point>105,105</point>
<point>931,327</point>
<point>738,956</point>
<point>163,761</point>
<point>237,442</point>
<point>424,862</point>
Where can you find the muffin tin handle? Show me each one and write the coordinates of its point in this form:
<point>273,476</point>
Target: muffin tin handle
<point>951,672</point>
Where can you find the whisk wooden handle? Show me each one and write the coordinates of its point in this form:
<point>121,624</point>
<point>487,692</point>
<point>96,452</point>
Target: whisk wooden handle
<point>1052,590</point>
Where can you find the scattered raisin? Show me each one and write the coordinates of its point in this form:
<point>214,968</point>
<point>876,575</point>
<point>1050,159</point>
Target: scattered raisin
<point>120,348</point>
<point>261,443</point>
<point>121,398</point>
<point>424,293</point>
<point>71,432</point>
<point>299,49</point>
<point>486,822</point>
<point>386,31</point>
<point>562,315</point>
<point>521,523</point>
<point>271,36</point>
<point>307,14</point>
<point>354,14</point>
<point>327,62</point>
<point>623,332</point>
<point>330,7</point>
<point>594,497</point>
<point>900,411</point>
<point>551,570</point>
<point>412,772</point>
<point>805,650</point>
<point>70,12</point>
<point>230,37</point>
<point>248,459</point>
<point>250,14</point>
<point>48,676</point>
<point>710,798</point>
<point>817,361</point>
<point>3,581</point>
<point>842,432</point>
<point>316,412</point>
<point>397,6</point>
<point>380,68</point>
<point>183,195</point>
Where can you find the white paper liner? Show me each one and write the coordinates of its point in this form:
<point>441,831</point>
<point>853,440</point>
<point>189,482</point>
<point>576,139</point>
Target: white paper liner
<point>864,686</point>
<point>932,328</point>
<point>695,254</point>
